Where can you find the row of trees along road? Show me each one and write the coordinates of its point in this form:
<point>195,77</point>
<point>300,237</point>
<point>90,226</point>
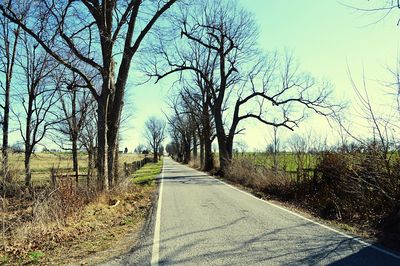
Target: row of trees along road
<point>225,79</point>
<point>80,39</point>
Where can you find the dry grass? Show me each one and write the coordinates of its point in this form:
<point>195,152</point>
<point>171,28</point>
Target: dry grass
<point>260,179</point>
<point>43,162</point>
<point>67,224</point>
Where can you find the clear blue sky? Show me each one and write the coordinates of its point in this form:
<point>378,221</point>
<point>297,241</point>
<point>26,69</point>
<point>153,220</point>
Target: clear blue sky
<point>325,36</point>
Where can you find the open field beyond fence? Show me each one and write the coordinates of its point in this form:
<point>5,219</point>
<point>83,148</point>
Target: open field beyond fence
<point>43,162</point>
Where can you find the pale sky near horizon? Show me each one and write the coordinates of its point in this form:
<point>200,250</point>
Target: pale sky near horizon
<point>326,37</point>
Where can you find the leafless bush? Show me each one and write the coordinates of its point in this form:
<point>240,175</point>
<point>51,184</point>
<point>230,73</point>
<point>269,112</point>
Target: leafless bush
<point>261,179</point>
<point>57,204</point>
<point>356,187</point>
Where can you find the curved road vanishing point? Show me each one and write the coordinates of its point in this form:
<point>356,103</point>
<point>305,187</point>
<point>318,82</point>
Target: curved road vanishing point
<point>202,221</point>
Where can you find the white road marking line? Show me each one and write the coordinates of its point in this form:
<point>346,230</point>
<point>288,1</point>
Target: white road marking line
<point>309,220</point>
<point>155,255</point>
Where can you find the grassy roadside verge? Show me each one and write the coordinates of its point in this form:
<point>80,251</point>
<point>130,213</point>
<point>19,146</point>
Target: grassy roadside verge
<point>104,228</point>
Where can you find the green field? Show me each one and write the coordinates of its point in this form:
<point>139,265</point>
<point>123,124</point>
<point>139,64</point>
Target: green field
<point>291,162</point>
<point>286,161</point>
<point>43,162</point>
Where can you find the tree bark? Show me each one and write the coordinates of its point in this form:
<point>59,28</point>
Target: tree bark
<point>102,146</point>
<point>208,158</point>
<point>28,174</point>
<point>111,151</point>
<point>201,140</point>
<point>224,158</point>
<point>224,144</point>
<point>116,163</point>
<point>195,147</point>
<point>155,156</point>
<point>6,174</point>
<point>74,137</point>
<point>10,61</point>
<point>186,151</point>
<point>28,148</point>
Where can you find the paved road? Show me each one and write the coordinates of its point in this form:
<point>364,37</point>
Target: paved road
<point>205,222</point>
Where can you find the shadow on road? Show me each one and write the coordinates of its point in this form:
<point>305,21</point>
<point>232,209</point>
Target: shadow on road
<point>192,180</point>
<point>268,249</point>
<point>233,241</point>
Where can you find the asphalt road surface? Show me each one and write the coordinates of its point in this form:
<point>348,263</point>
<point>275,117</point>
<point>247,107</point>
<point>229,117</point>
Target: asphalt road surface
<point>202,221</point>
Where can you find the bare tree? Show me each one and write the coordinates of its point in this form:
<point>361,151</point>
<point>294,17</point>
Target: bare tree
<point>74,107</point>
<point>9,35</point>
<point>274,147</point>
<point>154,133</point>
<point>88,137</point>
<point>299,146</point>
<point>381,127</point>
<point>38,98</point>
<point>269,90</point>
<point>140,148</point>
<point>94,34</point>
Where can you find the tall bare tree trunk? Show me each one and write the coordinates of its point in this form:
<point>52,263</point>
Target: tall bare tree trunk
<point>223,144</point>
<point>116,163</point>
<point>102,146</point>
<point>27,165</point>
<point>112,141</point>
<point>155,155</point>
<point>208,159</point>
<point>5,131</point>
<point>201,140</point>
<point>111,152</point>
<point>194,146</point>
<point>224,158</point>
<point>74,138</point>
<point>186,151</point>
<point>28,176</point>
<point>10,61</point>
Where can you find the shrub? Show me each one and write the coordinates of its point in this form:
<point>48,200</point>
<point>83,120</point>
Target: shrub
<point>260,178</point>
<point>355,187</point>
